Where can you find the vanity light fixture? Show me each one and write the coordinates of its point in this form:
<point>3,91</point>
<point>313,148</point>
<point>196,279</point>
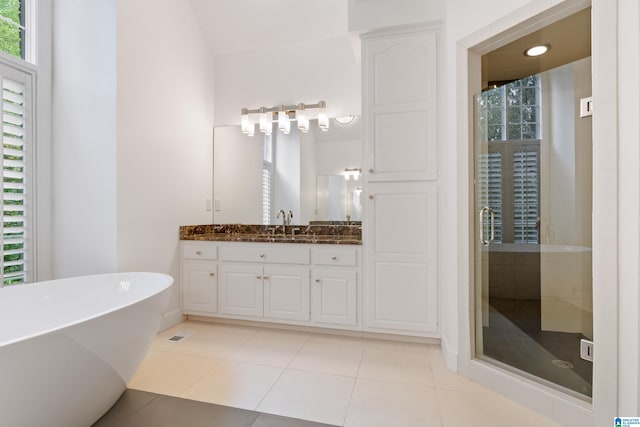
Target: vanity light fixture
<point>284,115</point>
<point>352,173</point>
<point>537,50</point>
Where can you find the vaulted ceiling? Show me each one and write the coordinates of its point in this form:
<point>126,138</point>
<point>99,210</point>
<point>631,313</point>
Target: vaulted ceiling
<point>232,26</point>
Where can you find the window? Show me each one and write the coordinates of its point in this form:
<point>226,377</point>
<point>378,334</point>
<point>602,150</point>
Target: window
<point>267,178</point>
<point>17,202</point>
<point>17,103</point>
<point>12,27</point>
<point>509,163</point>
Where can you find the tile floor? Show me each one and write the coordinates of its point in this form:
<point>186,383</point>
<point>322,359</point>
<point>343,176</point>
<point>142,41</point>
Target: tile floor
<point>137,408</point>
<point>323,378</point>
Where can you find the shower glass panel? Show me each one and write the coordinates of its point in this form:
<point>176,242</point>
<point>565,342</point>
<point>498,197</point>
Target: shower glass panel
<point>533,170</point>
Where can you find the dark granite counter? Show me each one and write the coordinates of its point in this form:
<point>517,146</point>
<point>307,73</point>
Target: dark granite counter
<point>322,234</point>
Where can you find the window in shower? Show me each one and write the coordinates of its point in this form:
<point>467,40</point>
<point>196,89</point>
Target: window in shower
<point>509,163</point>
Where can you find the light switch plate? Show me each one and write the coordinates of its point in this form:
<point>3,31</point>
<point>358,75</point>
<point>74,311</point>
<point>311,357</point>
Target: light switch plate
<point>586,350</point>
<point>586,106</point>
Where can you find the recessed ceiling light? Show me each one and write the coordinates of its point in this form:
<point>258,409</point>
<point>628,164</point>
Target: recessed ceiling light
<point>537,50</point>
<point>345,120</point>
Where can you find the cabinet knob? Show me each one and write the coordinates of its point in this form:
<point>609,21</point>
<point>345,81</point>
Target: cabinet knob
<point>198,252</point>
<point>261,255</point>
<point>258,277</point>
<point>265,277</point>
<point>334,257</point>
<point>317,280</point>
<point>371,170</point>
<point>371,196</point>
<point>212,274</point>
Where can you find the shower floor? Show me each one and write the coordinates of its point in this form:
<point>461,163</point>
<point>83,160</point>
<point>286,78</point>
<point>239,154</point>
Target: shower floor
<point>514,337</point>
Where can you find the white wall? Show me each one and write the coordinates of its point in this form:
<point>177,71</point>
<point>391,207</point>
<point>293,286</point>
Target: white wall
<point>164,134</point>
<point>374,14</point>
<point>308,72</point>
<point>84,137</point>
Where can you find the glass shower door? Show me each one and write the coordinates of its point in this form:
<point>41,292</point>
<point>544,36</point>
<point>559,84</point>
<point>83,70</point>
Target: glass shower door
<point>533,293</point>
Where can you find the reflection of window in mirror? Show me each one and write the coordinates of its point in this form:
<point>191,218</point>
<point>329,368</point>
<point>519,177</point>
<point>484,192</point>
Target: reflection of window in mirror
<point>267,178</point>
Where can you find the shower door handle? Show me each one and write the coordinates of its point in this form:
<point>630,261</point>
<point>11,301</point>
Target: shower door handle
<point>483,240</point>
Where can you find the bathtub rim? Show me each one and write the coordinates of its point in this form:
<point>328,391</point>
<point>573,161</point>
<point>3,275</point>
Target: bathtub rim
<point>167,282</point>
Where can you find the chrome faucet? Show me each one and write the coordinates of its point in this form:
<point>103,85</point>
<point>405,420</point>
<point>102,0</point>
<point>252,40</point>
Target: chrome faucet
<point>284,217</point>
<point>289,217</point>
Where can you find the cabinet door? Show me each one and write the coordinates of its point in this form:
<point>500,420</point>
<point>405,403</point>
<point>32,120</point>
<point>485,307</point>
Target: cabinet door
<point>400,259</point>
<point>334,297</point>
<point>241,289</point>
<point>199,287</point>
<point>399,106</point>
<point>286,293</point>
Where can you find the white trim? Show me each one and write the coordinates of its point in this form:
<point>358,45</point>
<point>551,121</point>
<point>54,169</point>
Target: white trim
<point>42,137</point>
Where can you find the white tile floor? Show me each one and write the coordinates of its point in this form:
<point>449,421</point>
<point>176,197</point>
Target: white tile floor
<point>325,378</point>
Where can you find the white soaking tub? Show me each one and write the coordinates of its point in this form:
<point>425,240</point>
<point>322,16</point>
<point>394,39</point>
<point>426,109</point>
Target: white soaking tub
<point>69,347</point>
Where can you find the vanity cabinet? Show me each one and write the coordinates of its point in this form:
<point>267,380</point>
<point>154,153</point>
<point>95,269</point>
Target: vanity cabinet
<point>400,181</point>
<point>265,281</point>
<point>300,284</point>
<point>199,278</point>
<point>334,287</point>
<point>272,292</point>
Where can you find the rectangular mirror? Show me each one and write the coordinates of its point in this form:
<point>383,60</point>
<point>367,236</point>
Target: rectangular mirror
<point>302,173</point>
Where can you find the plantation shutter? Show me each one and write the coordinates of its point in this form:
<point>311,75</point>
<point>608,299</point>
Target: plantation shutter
<point>267,178</point>
<point>490,174</point>
<point>16,203</point>
<point>526,164</point>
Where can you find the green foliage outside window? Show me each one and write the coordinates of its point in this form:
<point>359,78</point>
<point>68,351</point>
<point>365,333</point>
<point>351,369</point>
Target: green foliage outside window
<point>11,33</point>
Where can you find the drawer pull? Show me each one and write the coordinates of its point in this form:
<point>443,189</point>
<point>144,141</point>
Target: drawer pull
<point>258,277</point>
<point>266,277</point>
<point>334,257</point>
<point>198,252</point>
<point>261,255</point>
<point>317,280</point>
<point>212,274</point>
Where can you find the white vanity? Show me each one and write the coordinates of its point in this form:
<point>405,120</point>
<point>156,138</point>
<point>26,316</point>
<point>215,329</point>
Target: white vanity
<point>293,283</point>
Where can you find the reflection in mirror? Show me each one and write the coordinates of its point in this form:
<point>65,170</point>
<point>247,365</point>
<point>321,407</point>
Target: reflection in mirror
<point>256,177</point>
<point>338,199</point>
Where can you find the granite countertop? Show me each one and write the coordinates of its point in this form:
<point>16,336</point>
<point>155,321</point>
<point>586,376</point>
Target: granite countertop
<point>323,234</point>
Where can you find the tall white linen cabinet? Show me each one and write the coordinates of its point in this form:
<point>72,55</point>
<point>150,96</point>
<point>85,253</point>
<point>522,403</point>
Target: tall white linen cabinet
<point>400,72</point>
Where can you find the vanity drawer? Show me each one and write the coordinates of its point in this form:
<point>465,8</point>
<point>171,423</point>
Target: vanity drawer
<point>199,250</point>
<point>335,256</point>
<point>259,253</point>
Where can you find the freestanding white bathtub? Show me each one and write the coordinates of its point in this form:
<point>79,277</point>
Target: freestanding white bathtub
<point>69,347</point>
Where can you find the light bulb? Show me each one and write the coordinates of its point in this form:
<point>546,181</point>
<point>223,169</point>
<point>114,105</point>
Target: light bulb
<point>284,124</point>
<point>251,129</point>
<point>244,120</point>
<point>265,122</point>
<point>303,119</point>
<point>323,119</point>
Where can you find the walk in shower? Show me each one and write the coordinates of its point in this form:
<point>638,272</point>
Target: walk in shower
<point>533,205</point>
